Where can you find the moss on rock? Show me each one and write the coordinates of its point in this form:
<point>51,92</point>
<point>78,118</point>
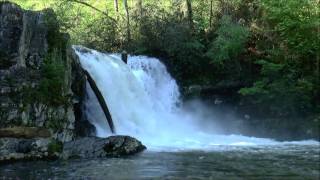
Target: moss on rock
<point>55,147</point>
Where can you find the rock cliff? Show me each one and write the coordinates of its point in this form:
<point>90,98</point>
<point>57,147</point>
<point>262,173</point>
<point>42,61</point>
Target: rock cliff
<point>41,85</point>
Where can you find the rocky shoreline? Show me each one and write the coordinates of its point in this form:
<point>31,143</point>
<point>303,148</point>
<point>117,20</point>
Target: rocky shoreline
<point>22,149</point>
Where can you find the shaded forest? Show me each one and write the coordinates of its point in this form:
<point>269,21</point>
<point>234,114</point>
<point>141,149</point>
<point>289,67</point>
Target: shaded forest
<point>266,51</point>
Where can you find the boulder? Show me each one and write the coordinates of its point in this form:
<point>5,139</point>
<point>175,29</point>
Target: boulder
<point>94,147</point>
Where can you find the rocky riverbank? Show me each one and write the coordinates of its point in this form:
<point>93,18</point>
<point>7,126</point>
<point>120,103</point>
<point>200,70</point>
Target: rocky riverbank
<point>23,149</point>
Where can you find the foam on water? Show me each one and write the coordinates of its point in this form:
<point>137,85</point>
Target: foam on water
<point>144,100</point>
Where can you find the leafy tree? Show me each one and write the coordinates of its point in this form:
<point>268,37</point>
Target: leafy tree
<point>230,42</point>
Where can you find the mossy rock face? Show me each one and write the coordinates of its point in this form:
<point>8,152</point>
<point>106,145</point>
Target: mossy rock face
<point>37,72</point>
<point>55,147</point>
<point>11,22</point>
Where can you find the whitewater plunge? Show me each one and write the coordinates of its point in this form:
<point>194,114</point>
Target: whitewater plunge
<point>144,102</point>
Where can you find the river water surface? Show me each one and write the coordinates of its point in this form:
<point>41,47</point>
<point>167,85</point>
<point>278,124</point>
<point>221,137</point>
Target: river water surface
<point>224,162</point>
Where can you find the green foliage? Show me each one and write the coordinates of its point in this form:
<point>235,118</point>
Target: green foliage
<point>230,41</point>
<point>34,4</point>
<point>161,33</point>
<point>55,147</point>
<point>286,85</point>
<point>52,81</point>
<point>281,90</point>
<point>50,90</point>
<point>281,97</point>
<point>270,70</point>
<point>55,124</point>
<point>296,23</point>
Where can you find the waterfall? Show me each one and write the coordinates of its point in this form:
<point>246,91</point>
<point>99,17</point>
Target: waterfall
<point>144,102</point>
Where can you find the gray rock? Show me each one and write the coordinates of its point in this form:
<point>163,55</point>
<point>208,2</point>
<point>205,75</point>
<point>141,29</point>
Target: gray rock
<point>93,147</point>
<point>26,40</point>
<point>83,128</point>
<point>17,149</point>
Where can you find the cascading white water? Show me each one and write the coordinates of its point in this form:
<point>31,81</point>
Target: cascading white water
<point>143,100</point>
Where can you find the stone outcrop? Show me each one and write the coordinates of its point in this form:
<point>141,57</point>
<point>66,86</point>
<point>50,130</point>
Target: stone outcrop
<point>93,147</point>
<point>40,84</point>
<point>15,149</point>
<point>83,127</point>
<point>21,149</point>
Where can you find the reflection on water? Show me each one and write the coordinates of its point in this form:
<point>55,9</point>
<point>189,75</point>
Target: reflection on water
<point>273,162</point>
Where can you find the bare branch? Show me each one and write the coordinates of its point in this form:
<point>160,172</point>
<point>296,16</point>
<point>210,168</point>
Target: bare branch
<point>92,7</point>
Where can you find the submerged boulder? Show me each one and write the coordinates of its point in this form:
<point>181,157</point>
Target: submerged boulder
<point>93,147</point>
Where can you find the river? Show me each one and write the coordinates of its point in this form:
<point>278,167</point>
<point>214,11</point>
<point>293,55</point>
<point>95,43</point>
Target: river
<point>223,162</point>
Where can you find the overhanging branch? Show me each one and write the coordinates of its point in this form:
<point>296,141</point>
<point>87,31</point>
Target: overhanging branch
<point>94,8</point>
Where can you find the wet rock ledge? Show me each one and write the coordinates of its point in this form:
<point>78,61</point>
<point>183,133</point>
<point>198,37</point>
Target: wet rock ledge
<point>14,149</point>
<point>95,147</point>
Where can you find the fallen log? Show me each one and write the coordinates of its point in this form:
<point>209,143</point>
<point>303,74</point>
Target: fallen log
<point>101,100</point>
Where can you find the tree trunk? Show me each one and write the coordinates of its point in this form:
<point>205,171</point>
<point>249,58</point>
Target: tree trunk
<point>211,13</point>
<point>190,14</point>
<point>125,3</point>
<point>101,100</point>
<point>116,6</point>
